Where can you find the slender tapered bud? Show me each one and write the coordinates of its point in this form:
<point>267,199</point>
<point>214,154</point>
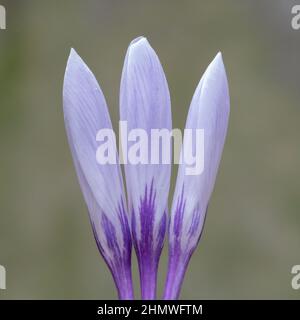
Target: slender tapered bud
<point>145,104</point>
<point>85,113</point>
<point>209,111</point>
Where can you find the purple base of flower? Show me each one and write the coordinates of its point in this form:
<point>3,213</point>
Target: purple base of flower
<point>120,262</point>
<point>147,248</point>
<point>176,270</point>
<point>179,256</point>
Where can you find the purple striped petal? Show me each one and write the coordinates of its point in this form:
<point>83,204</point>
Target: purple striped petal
<point>85,113</point>
<point>209,110</point>
<point>145,104</point>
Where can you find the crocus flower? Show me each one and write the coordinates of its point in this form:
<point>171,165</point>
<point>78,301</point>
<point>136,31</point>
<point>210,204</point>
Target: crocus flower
<point>209,111</point>
<point>85,113</point>
<point>144,104</point>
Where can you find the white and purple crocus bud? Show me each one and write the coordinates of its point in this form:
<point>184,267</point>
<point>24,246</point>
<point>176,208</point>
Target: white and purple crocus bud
<point>85,113</point>
<point>209,111</point>
<point>143,218</point>
<point>145,104</point>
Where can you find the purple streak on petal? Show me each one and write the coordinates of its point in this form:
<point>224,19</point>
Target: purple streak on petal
<point>209,111</point>
<point>120,259</point>
<point>85,113</point>
<point>178,258</point>
<point>147,248</point>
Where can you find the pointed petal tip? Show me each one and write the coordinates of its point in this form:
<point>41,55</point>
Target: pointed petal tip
<point>218,60</point>
<point>76,72</point>
<point>219,55</point>
<point>138,41</point>
<point>71,62</point>
<point>73,56</point>
<point>74,64</point>
<point>216,68</point>
<point>138,45</point>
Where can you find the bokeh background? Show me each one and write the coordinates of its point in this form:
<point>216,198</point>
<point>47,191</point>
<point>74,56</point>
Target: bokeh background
<point>252,234</point>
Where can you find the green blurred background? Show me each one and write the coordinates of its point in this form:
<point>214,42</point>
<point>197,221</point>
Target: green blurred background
<point>252,234</point>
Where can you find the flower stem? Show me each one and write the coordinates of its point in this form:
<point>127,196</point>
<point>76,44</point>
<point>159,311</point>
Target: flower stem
<point>123,281</point>
<point>176,270</point>
<point>125,291</point>
<point>148,277</point>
